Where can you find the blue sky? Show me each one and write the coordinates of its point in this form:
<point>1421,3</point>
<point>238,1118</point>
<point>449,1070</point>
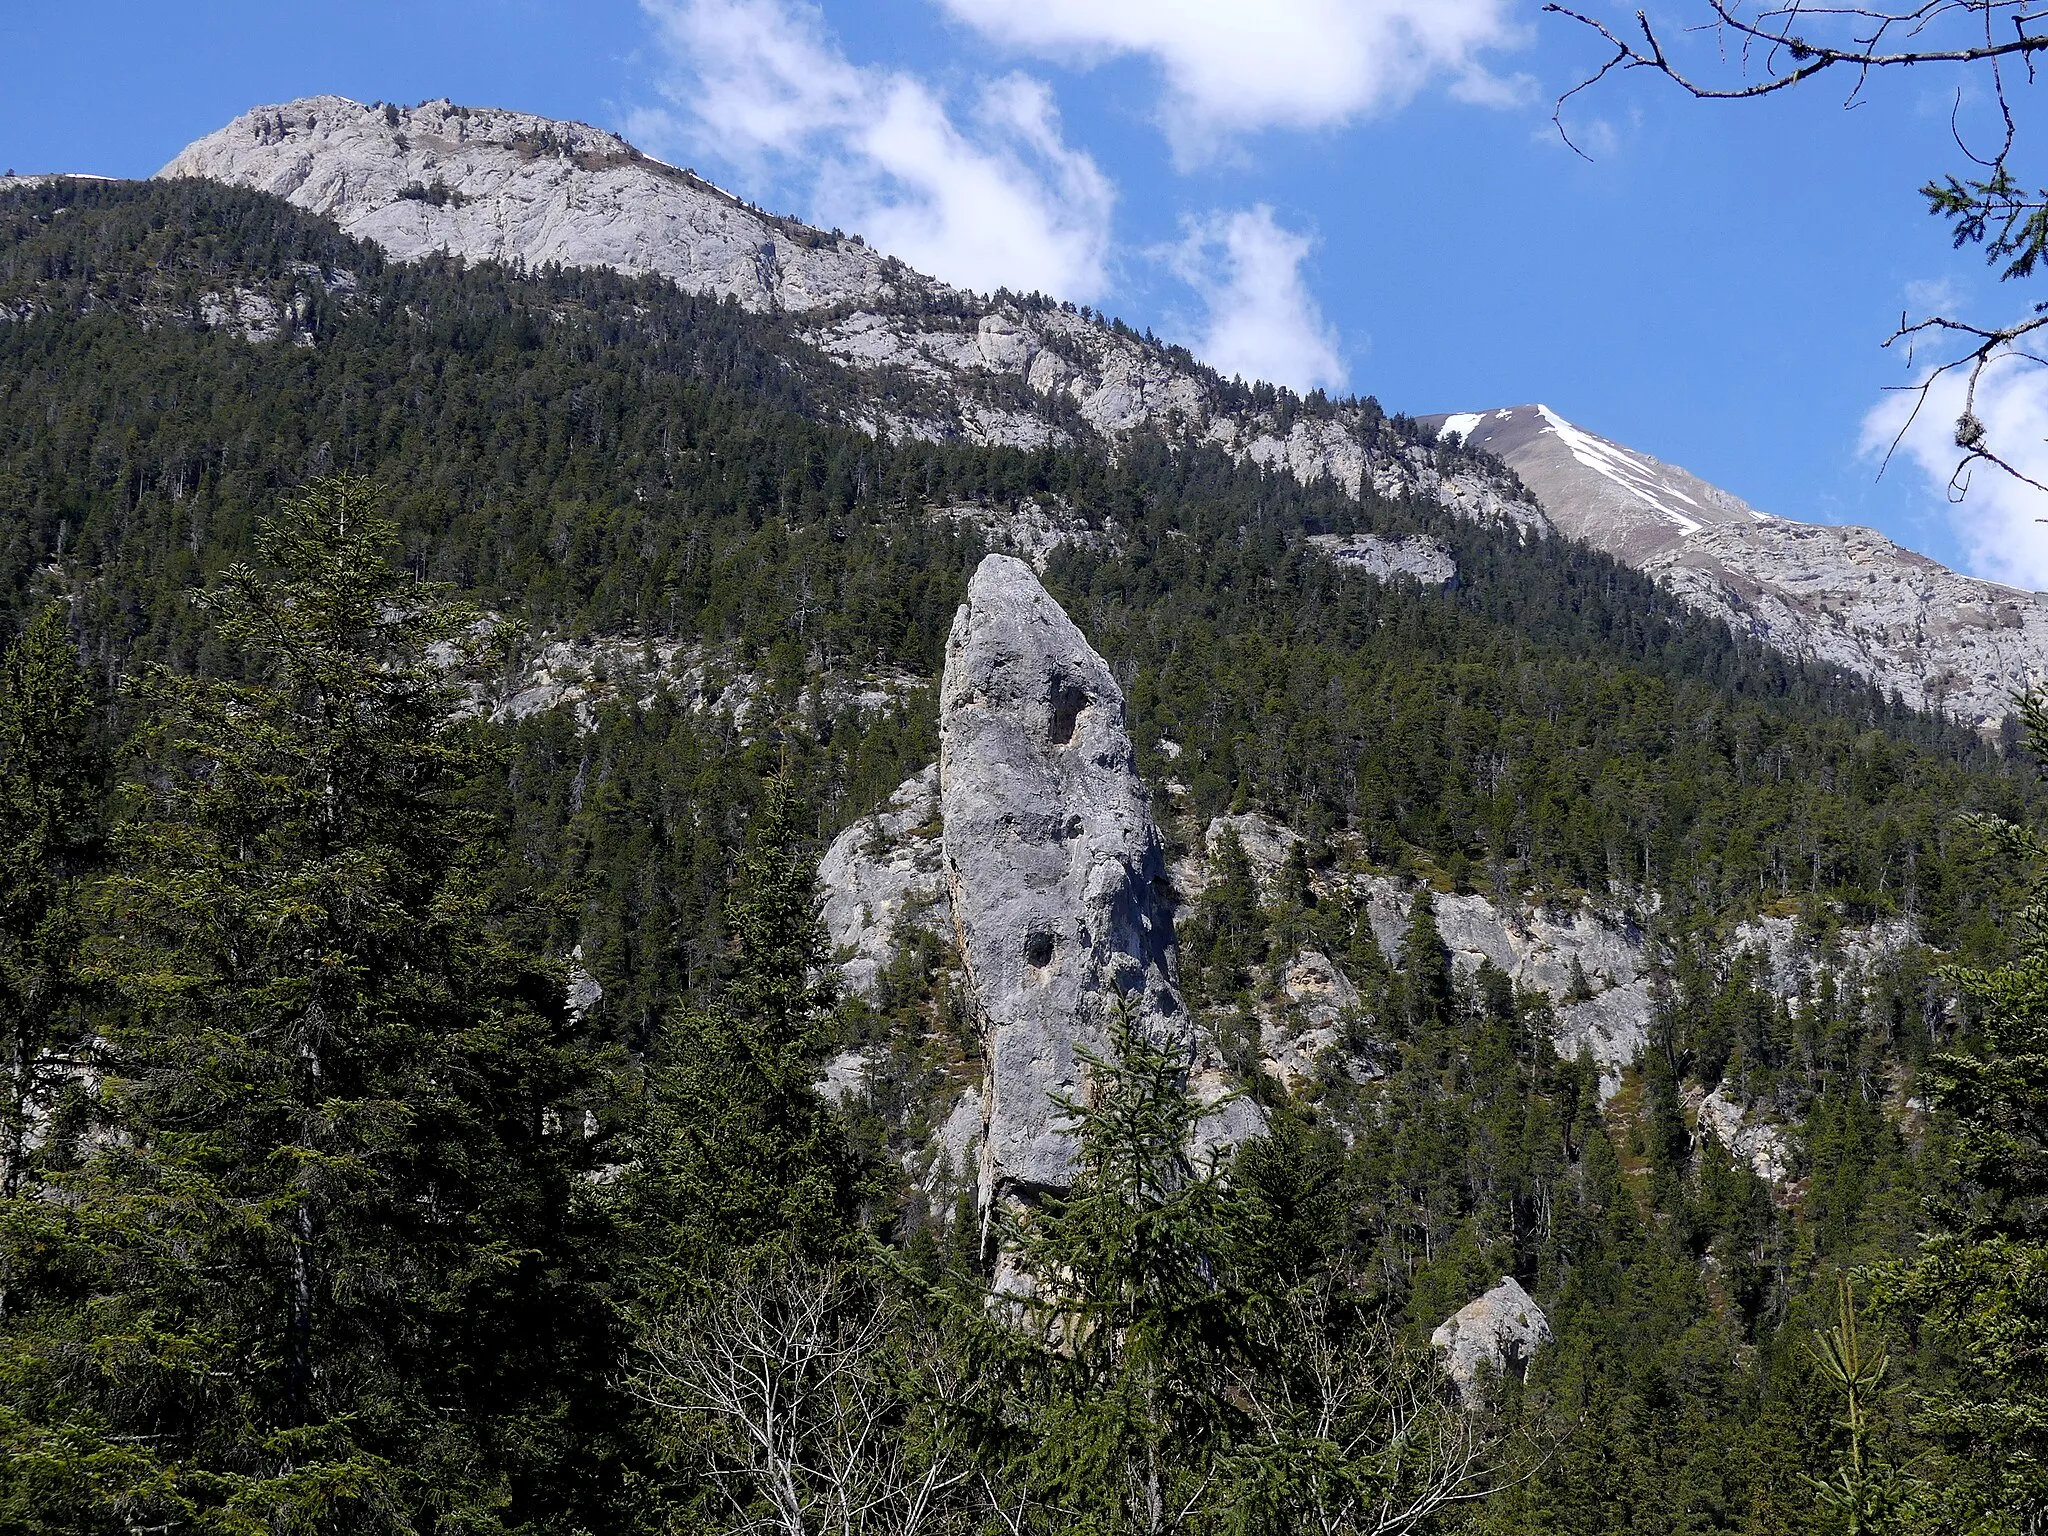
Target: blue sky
<point>1362,193</point>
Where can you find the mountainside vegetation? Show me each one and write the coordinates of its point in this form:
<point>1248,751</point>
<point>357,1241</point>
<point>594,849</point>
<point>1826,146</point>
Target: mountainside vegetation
<point>335,1199</point>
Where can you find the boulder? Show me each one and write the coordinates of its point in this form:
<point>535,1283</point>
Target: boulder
<point>1499,1333</point>
<point>1053,867</point>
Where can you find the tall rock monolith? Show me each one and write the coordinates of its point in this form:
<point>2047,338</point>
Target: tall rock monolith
<point>1053,863</point>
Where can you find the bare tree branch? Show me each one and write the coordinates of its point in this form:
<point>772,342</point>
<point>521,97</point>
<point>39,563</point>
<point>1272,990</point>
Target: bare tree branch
<point>801,1382</point>
<point>1771,47</point>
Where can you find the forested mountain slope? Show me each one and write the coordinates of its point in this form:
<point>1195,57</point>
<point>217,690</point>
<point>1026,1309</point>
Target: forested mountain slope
<point>1022,370</point>
<point>1026,370</point>
<point>717,576</point>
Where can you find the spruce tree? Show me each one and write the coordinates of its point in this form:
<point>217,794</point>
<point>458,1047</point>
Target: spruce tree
<point>741,1157</point>
<point>51,784</point>
<point>318,1262</point>
<point>1129,1303</point>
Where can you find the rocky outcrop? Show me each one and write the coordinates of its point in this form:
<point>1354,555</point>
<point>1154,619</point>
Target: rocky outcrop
<point>1052,864</point>
<point>1564,953</point>
<point>586,674</point>
<point>1790,961</point>
<point>1294,1043</point>
<point>1843,596</point>
<point>1745,1135</point>
<point>1370,554</point>
<point>881,872</point>
<point>1032,529</point>
<point>1495,1335</point>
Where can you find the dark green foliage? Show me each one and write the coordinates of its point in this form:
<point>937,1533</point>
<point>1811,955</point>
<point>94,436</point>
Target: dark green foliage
<point>51,784</point>
<point>740,1158</point>
<point>1977,1291</point>
<point>1136,1323</point>
<point>317,1259</point>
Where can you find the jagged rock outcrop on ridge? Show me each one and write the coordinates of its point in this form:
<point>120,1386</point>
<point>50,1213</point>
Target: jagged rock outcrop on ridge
<point>1052,863</point>
<point>1500,1331</point>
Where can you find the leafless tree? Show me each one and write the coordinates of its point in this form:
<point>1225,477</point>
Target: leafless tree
<point>1767,47</point>
<point>1371,1442</point>
<point>802,1391</point>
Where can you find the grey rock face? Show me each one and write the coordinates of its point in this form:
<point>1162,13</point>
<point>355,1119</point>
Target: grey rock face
<point>1500,1331</point>
<point>1737,1126</point>
<point>503,186</point>
<point>1612,1028</point>
<point>879,872</point>
<point>1369,554</point>
<point>1538,948</point>
<point>1790,962</point>
<point>1052,863</point>
<point>1294,1041</point>
<point>1032,530</point>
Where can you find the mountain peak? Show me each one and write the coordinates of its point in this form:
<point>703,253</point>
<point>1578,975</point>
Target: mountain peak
<point>1837,594</point>
<point>492,184</point>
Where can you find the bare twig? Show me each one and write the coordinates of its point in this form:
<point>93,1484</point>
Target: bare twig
<point>1775,46</point>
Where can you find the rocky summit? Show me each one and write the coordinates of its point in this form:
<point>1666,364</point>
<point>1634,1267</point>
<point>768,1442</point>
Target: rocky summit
<point>1845,596</point>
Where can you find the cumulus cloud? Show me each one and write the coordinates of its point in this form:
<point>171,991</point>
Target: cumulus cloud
<point>1995,517</point>
<point>986,198</point>
<point>1263,323</point>
<point>1231,66</point>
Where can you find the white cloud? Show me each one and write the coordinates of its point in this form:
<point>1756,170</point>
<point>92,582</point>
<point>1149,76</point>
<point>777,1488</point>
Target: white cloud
<point>1263,323</point>
<point>995,200</point>
<point>1995,517</point>
<point>1234,65</point>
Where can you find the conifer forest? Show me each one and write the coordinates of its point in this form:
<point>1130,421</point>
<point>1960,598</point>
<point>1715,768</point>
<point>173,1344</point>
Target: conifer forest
<point>421,1114</point>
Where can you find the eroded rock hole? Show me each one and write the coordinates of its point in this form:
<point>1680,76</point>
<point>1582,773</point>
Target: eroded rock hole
<point>1038,950</point>
<point>1068,700</point>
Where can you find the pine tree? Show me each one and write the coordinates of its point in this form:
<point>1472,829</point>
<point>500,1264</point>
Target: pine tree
<point>317,1263</point>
